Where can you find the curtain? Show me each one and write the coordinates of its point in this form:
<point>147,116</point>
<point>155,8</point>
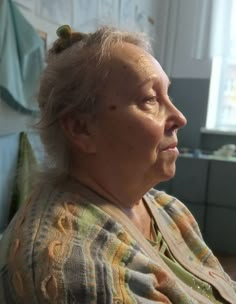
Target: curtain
<point>212,23</point>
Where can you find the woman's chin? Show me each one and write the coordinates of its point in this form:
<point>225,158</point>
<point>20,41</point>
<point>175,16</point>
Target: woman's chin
<point>167,173</point>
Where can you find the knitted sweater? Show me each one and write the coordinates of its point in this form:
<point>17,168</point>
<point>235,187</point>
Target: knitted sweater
<point>71,246</point>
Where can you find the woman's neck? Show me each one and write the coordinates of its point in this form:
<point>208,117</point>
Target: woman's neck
<point>124,192</point>
<point>130,202</point>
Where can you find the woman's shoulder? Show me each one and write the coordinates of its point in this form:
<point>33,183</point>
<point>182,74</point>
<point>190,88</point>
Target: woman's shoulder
<point>52,214</point>
<point>48,238</point>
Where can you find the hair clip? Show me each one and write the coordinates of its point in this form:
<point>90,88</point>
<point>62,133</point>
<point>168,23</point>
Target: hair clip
<point>64,32</point>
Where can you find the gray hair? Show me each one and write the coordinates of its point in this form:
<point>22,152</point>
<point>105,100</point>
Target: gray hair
<point>74,74</point>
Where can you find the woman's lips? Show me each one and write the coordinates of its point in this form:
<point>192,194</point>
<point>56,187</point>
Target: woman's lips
<point>172,148</point>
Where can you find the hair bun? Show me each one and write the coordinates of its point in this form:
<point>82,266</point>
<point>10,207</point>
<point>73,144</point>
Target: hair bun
<point>64,32</point>
<point>66,38</point>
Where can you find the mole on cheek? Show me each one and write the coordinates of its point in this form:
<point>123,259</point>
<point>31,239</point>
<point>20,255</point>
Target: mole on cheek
<point>112,107</point>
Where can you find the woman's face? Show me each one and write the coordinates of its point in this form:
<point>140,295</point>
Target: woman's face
<point>136,130</point>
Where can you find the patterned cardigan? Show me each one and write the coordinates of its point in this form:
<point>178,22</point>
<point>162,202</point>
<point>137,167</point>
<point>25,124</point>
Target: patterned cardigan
<point>71,246</point>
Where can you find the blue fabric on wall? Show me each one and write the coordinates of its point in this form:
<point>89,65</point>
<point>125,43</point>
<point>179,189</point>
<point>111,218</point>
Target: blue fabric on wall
<point>9,146</point>
<point>9,152</point>
<point>26,162</point>
<point>21,59</point>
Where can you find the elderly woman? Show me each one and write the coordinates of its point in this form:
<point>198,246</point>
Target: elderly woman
<point>94,230</point>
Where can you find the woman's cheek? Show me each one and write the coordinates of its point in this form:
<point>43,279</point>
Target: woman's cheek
<point>154,130</point>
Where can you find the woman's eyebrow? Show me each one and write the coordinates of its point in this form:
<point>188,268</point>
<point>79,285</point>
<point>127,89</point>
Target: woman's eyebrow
<point>149,79</point>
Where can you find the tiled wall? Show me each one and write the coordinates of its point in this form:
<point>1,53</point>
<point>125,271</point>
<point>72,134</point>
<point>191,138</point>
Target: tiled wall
<point>191,96</point>
<point>208,189</point>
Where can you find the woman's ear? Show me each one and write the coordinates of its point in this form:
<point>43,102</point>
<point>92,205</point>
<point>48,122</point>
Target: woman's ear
<point>79,131</point>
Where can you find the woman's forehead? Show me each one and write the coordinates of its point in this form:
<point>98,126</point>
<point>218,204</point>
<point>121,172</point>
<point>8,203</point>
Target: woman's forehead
<point>131,64</point>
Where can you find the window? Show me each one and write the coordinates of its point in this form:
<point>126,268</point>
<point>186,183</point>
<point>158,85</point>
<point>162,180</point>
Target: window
<point>221,113</point>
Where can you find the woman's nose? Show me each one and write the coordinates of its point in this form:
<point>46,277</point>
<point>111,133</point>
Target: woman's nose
<point>175,118</point>
<point>182,121</point>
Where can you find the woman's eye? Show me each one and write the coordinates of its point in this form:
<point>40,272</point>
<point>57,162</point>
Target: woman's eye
<point>151,99</point>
